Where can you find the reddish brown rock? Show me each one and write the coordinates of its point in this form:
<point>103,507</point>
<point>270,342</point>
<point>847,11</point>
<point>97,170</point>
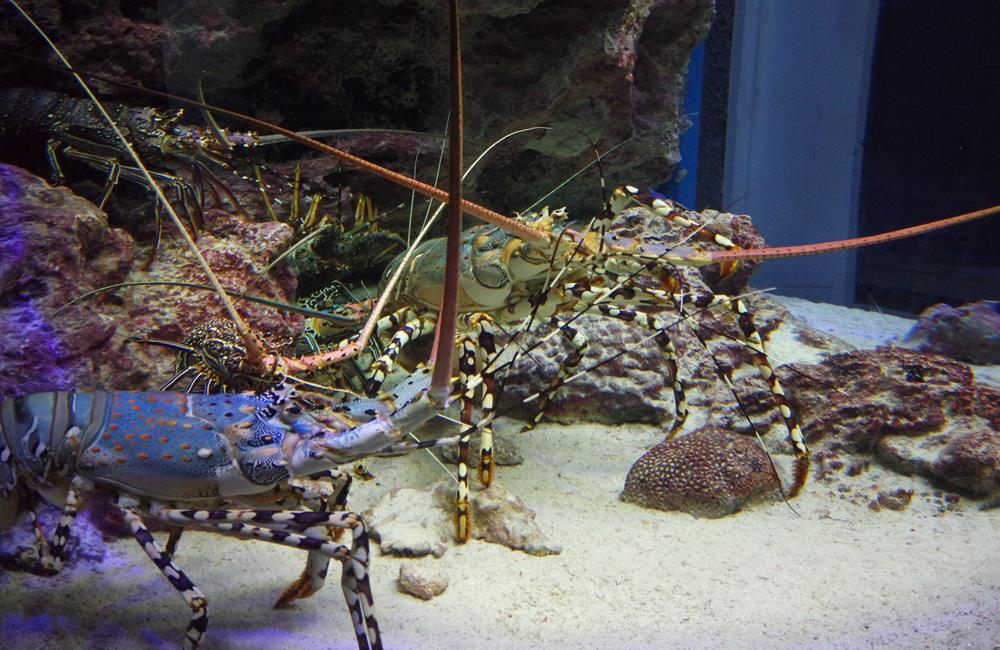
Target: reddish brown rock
<point>915,413</point>
<point>969,333</point>
<point>708,473</point>
<point>971,461</point>
<point>55,246</point>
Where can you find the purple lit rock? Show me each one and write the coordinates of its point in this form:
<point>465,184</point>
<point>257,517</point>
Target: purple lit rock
<point>55,246</point>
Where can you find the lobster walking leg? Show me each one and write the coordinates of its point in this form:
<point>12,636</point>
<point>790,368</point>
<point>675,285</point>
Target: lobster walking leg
<point>70,508</point>
<point>283,527</point>
<point>578,344</point>
<point>486,350</point>
<point>189,592</point>
<point>759,357</point>
<point>317,564</point>
<point>662,339</point>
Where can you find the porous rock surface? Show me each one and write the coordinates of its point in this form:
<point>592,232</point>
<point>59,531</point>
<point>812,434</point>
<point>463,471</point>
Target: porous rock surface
<point>708,473</point>
<point>915,413</point>
<point>422,580</point>
<point>970,332</point>
<point>634,386</point>
<point>595,70</point>
<point>55,246</point>
<point>414,523</point>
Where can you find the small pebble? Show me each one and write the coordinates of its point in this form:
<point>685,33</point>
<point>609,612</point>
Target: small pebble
<point>421,579</point>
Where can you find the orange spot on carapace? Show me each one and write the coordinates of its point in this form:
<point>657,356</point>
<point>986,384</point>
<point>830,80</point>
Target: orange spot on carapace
<point>120,461</point>
<point>186,459</point>
<point>142,455</point>
<point>164,439</point>
<point>171,423</point>
<point>167,455</point>
<point>136,408</point>
<point>107,436</point>
<point>130,436</point>
<point>119,448</point>
<point>113,427</point>
<point>185,445</point>
<point>145,436</point>
<point>95,450</point>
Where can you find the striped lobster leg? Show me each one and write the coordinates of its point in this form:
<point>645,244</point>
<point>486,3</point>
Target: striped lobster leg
<point>193,596</point>
<point>476,356</point>
<point>317,497</point>
<point>295,529</point>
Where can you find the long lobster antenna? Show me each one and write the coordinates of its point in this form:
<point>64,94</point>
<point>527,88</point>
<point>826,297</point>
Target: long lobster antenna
<point>254,353</point>
<point>843,244</point>
<point>444,335</point>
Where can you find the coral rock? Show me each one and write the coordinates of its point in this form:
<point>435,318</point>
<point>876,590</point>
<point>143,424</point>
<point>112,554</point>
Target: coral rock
<point>414,523</point>
<point>406,522</point>
<point>421,580</point>
<point>971,461</point>
<point>708,473</point>
<point>920,414</point>
<point>501,518</point>
<point>611,71</point>
<point>967,333</point>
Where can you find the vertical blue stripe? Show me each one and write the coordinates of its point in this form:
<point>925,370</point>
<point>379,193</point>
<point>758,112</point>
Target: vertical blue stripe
<point>684,184</point>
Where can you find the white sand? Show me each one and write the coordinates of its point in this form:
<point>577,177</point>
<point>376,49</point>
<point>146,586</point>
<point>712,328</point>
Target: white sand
<point>835,575</point>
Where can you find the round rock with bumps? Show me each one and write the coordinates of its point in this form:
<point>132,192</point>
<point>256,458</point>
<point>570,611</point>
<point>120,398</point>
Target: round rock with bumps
<point>707,473</point>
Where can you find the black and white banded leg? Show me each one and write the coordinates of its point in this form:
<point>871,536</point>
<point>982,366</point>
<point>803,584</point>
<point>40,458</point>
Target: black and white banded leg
<point>196,600</point>
<point>317,496</point>
<point>578,344</point>
<point>666,345</point>
<point>296,529</point>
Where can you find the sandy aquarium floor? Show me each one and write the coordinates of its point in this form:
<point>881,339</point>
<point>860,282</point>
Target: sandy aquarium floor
<point>830,574</point>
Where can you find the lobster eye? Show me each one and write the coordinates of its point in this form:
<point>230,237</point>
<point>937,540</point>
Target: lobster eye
<point>267,439</point>
<point>493,276</point>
